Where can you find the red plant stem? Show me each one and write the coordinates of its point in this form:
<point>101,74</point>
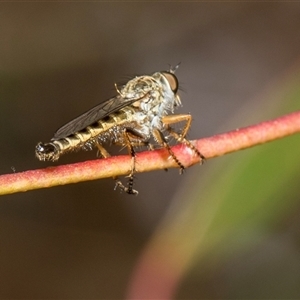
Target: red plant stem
<point>152,160</point>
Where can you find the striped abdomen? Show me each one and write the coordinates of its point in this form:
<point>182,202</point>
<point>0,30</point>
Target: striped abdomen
<point>100,130</point>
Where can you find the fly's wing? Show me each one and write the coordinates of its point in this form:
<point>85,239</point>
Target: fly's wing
<point>93,115</point>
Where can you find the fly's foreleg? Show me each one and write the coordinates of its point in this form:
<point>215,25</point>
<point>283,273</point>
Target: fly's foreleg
<point>181,138</point>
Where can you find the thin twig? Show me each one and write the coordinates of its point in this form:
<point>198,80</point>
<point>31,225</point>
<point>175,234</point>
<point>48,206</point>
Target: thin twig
<point>152,160</point>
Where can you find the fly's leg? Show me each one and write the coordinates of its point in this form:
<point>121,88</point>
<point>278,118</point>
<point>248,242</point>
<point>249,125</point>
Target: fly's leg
<point>172,119</point>
<point>133,138</point>
<point>102,151</point>
<point>159,137</point>
<point>105,154</point>
<point>129,189</point>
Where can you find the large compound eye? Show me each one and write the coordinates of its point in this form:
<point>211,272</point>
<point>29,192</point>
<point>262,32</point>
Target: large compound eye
<point>173,81</point>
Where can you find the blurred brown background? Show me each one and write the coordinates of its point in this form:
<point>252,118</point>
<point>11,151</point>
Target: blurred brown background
<point>59,59</point>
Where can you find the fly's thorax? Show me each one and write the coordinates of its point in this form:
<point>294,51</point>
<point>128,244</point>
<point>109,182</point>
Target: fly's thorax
<point>139,87</point>
<point>161,100</point>
<point>156,92</point>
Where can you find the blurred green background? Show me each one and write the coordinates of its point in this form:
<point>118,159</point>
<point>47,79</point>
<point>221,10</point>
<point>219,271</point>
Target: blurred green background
<point>227,229</point>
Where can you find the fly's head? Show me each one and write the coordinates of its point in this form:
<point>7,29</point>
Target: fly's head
<point>170,85</point>
<point>163,97</point>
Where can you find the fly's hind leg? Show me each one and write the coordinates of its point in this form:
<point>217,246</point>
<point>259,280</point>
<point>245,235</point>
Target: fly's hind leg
<point>105,154</point>
<point>181,137</point>
<point>132,138</point>
<point>129,189</point>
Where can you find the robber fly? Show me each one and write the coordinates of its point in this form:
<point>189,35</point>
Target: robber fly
<point>142,110</point>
